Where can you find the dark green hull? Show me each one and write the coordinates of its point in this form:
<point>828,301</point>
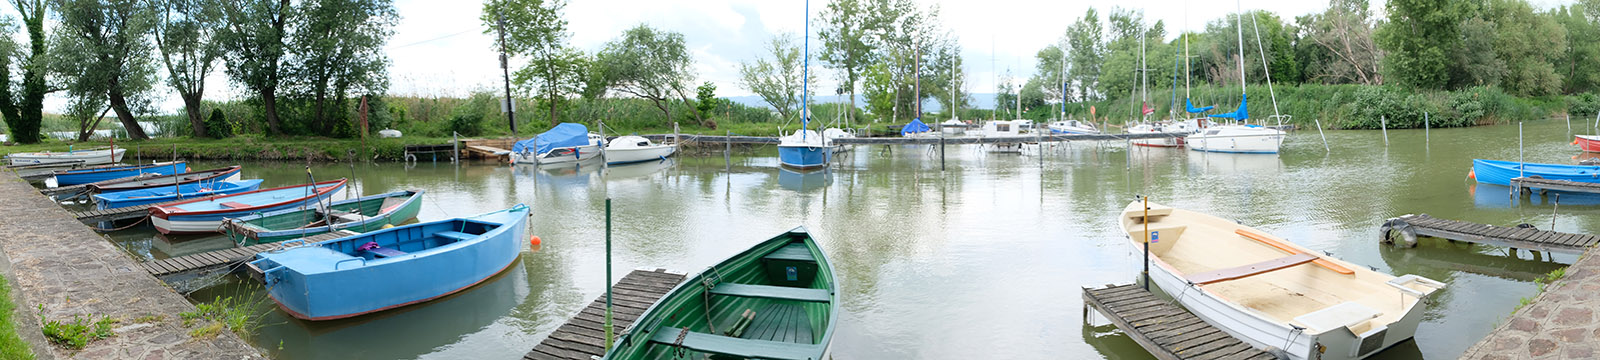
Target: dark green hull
<point>390,209</point>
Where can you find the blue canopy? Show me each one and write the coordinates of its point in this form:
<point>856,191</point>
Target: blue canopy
<point>564,135</point>
<point>1193,109</point>
<point>916,126</point>
<point>1241,114</point>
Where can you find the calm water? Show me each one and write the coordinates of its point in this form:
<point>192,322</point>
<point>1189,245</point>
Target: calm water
<point>982,260</point>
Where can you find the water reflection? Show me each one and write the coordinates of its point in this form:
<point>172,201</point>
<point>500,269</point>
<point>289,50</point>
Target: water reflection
<point>804,180</point>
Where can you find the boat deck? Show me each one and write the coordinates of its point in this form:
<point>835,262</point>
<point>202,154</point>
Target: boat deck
<point>1411,226</point>
<point>583,336</point>
<point>953,140</point>
<point>1520,184</point>
<point>221,258</point>
<point>1165,329</point>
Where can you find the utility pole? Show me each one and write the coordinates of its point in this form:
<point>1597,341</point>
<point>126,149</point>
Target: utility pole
<point>505,69</point>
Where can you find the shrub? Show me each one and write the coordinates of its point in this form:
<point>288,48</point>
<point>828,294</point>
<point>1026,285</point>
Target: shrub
<point>466,124</point>
<point>217,125</point>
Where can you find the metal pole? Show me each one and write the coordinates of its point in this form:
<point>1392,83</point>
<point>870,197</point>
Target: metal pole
<point>727,159</point>
<point>1384,122</point>
<point>941,150</point>
<point>1325,147</point>
<point>1553,211</point>
<point>609,332</point>
<point>1146,221</point>
<point>1427,130</point>
<point>1569,123</point>
<point>1521,154</point>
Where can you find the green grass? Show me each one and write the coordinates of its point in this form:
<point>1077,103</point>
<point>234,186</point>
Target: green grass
<point>1542,281</point>
<point>77,333</point>
<point>11,345</point>
<point>222,313</point>
<point>247,147</point>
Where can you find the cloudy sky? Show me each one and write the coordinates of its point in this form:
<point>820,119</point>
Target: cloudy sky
<point>439,48</point>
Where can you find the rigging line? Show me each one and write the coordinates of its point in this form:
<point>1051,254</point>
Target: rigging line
<point>434,39</point>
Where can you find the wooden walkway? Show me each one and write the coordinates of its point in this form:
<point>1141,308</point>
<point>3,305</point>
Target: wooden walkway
<point>221,258</point>
<point>1411,226</point>
<point>1166,330</point>
<point>583,336</point>
<point>121,213</point>
<point>1520,184</point>
<point>954,140</point>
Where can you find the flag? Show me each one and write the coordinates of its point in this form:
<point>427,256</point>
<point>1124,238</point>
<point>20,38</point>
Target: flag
<point>1147,109</point>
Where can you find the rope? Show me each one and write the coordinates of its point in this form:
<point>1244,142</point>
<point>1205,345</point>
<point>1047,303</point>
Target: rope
<point>141,221</point>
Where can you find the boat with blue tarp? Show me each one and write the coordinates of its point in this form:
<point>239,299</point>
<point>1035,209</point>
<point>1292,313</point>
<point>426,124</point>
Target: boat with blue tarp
<point>1501,172</point>
<point>173,193</point>
<point>564,143</point>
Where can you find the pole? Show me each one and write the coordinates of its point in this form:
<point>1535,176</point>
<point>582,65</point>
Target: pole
<point>941,150</point>
<point>177,191</point>
<point>805,81</point>
<point>1427,129</point>
<point>1569,123</point>
<point>1384,122</point>
<point>1325,147</point>
<point>1553,211</point>
<point>505,70</point>
<point>1521,154</point>
<point>609,331</point>
<point>1146,221</point>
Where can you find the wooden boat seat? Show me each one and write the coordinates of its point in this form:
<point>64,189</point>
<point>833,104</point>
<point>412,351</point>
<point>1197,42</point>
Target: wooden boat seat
<point>792,252</point>
<point>385,252</point>
<point>1162,237</point>
<point>772,292</point>
<point>1346,314</point>
<point>1290,249</point>
<point>780,322</point>
<point>1250,270</point>
<point>389,204</point>
<point>233,205</point>
<point>454,235</point>
<point>732,346</point>
<point>1155,211</point>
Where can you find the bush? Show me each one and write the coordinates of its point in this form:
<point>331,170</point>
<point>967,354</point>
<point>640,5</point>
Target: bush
<point>217,125</point>
<point>466,124</point>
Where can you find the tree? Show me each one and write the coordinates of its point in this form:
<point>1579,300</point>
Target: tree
<point>777,80</point>
<point>1527,43</point>
<point>706,100</point>
<point>254,46</point>
<point>103,52</point>
<point>1576,64</point>
<point>536,29</point>
<point>877,85</point>
<point>1342,49</point>
<point>186,34</point>
<point>1085,54</point>
<point>844,27</point>
<point>1050,71</point>
<point>650,64</point>
<point>24,112</point>
<point>337,48</point>
<point>1418,38</point>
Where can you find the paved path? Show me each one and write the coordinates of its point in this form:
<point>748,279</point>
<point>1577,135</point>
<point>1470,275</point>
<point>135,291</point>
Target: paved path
<point>1561,323</point>
<point>58,262</point>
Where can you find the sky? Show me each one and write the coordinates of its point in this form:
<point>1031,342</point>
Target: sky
<point>439,48</point>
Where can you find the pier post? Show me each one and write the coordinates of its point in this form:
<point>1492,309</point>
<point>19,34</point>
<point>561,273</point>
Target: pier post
<point>1325,147</point>
<point>727,150</point>
<point>1427,130</point>
<point>609,332</point>
<point>941,150</point>
<point>1569,123</point>
<point>1383,121</point>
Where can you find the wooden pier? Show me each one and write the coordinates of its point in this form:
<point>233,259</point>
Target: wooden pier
<point>953,140</point>
<point>1411,226</point>
<point>121,213</point>
<point>1531,184</point>
<point>488,148</point>
<point>583,336</point>
<point>412,152</point>
<point>222,258</point>
<point>1166,330</point>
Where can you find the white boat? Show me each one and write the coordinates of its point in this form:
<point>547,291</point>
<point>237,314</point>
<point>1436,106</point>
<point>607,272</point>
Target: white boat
<point>1271,293</point>
<point>82,157</point>
<point>804,150</point>
<point>631,149</point>
<point>565,143</point>
<point>1247,139</point>
<point>953,127</point>
<point>1160,127</point>
<point>1004,128</point>
<point>832,134</point>
<point>1072,127</point>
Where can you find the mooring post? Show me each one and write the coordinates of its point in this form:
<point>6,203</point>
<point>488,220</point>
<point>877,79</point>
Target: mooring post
<point>1569,123</point>
<point>1383,121</point>
<point>727,150</point>
<point>941,150</point>
<point>455,149</point>
<point>1146,221</point>
<point>1554,210</point>
<point>1325,147</point>
<point>1521,153</point>
<point>1427,130</point>
<point>609,331</point>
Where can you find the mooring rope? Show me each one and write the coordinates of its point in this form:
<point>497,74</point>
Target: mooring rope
<point>141,221</point>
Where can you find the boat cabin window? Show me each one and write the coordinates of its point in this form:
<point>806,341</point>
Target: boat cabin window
<point>1002,127</point>
<point>1213,132</point>
<point>644,143</point>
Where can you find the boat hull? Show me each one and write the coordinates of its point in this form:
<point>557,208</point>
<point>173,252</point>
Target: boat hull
<point>642,154</point>
<point>1501,172</point>
<point>1588,143</point>
<point>206,222</point>
<point>1241,144</point>
<point>84,157</point>
<point>79,177</point>
<point>804,157</point>
<point>559,155</point>
<point>402,212</point>
<point>160,195</point>
<point>194,177</point>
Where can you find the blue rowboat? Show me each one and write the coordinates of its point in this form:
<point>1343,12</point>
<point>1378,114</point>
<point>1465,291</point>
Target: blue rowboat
<point>167,193</point>
<point>393,267</point>
<point>206,215</point>
<point>98,174</point>
<point>230,173</point>
<point>1501,172</point>
<point>804,150</point>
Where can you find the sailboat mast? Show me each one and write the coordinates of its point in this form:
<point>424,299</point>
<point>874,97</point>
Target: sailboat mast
<point>805,76</point>
<point>1061,77</point>
<point>1144,68</point>
<point>916,71</point>
<point>1240,28</point>
<point>1264,69</point>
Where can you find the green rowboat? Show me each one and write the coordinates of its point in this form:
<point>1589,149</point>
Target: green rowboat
<point>359,215</point>
<point>776,300</point>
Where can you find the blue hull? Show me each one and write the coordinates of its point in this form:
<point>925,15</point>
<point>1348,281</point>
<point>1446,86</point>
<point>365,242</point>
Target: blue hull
<point>411,264</point>
<point>80,177</point>
<point>804,157</point>
<point>165,194</point>
<point>1501,172</point>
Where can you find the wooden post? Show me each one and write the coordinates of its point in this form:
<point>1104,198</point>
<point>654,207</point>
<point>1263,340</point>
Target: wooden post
<point>1553,211</point>
<point>1146,221</point>
<point>941,150</point>
<point>1569,123</point>
<point>176,190</point>
<point>727,150</point>
<point>1427,129</point>
<point>609,330</point>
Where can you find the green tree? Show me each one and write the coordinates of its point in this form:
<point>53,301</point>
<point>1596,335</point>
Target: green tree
<point>186,35</point>
<point>1577,65</point>
<point>650,64</point>
<point>1529,44</point>
<point>1418,39</point>
<point>777,80</point>
<point>706,99</point>
<point>24,112</point>
<point>1338,45</point>
<point>337,49</point>
<point>877,85</point>
<point>1049,71</point>
<point>103,52</point>
<point>1085,54</point>
<point>537,30</point>
<point>844,28</point>
<point>254,45</point>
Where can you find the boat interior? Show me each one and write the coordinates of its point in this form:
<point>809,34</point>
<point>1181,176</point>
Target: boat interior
<point>350,212</point>
<point>770,303</point>
<point>412,239</point>
<point>1270,276</point>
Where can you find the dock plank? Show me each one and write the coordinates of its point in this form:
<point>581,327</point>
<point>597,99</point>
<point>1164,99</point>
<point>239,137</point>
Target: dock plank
<point>1508,236</point>
<point>583,336</point>
<point>1164,329</point>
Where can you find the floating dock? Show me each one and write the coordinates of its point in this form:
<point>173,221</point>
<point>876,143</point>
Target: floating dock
<point>1521,184</point>
<point>211,260</point>
<point>1166,330</point>
<point>1411,226</point>
<point>584,335</point>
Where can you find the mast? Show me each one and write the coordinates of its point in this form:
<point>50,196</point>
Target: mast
<point>916,71</point>
<point>1240,28</point>
<point>805,79</point>
<point>1186,54</point>
<point>1144,68</point>
<point>1061,77</point>
<point>1266,70</point>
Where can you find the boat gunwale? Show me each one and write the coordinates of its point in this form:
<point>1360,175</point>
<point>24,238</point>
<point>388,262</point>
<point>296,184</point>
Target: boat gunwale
<point>243,221</point>
<point>320,190</point>
<point>500,227</point>
<point>98,170</point>
<point>223,172</point>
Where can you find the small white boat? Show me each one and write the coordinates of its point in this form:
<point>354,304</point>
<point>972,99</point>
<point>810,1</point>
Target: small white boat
<point>1248,139</point>
<point>953,127</point>
<point>631,149</point>
<point>1160,127</point>
<point>832,134</point>
<point>1072,127</point>
<point>806,149</point>
<point>1271,293</point>
<point>82,157</point>
<point>1003,128</point>
<point>565,143</point>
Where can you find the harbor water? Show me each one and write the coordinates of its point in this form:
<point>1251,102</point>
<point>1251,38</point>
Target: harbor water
<point>984,259</point>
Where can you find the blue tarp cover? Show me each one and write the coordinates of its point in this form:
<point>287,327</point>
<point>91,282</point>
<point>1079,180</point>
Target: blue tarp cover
<point>916,126</point>
<point>1241,114</point>
<point>564,135</point>
<point>1193,109</point>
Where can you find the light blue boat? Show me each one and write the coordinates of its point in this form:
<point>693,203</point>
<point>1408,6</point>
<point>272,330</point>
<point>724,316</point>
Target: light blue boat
<point>1501,172</point>
<point>205,215</point>
<point>98,174</point>
<point>804,150</point>
<point>393,267</point>
<point>165,194</point>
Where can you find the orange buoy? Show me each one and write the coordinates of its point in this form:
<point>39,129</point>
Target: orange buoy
<point>534,240</point>
<point>1472,173</point>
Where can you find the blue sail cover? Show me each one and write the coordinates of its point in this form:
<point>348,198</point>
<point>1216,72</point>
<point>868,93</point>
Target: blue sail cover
<point>1241,114</point>
<point>1193,109</point>
<point>564,135</point>
<point>916,126</point>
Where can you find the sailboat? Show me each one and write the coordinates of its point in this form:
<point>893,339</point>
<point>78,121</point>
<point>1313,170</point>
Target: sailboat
<point>1171,126</point>
<point>805,149</point>
<point>1242,137</point>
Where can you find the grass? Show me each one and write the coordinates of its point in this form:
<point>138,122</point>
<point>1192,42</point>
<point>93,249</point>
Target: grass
<point>1542,282</point>
<point>77,333</point>
<point>222,313</point>
<point>250,147</point>
<point>11,345</point>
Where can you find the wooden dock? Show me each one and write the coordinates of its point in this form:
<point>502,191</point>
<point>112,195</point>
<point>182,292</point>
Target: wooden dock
<point>1411,226</point>
<point>1166,330</point>
<point>121,213</point>
<point>584,336</point>
<point>415,152</point>
<point>221,258</point>
<point>1521,184</point>
<point>953,140</point>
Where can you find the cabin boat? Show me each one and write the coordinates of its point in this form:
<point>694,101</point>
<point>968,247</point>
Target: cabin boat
<point>1073,127</point>
<point>1153,128</point>
<point>953,127</point>
<point>205,215</point>
<point>1244,139</point>
<point>632,149</point>
<point>565,143</point>
<point>776,300</point>
<point>173,193</point>
<point>1501,172</point>
<point>360,215</point>
<point>834,134</point>
<point>1003,128</point>
<point>1271,293</point>
<point>98,174</point>
<point>391,268</point>
<point>82,157</point>
<point>916,128</point>
<point>805,149</point>
<point>230,173</point>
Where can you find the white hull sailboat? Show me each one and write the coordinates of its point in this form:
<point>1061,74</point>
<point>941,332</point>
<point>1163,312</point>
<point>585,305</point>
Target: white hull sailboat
<point>81,157</point>
<point>1073,127</point>
<point>565,143</point>
<point>1271,293</point>
<point>1244,139</point>
<point>632,149</point>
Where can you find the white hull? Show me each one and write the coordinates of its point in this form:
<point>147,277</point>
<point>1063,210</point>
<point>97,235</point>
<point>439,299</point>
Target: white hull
<point>186,227</point>
<point>633,155</point>
<point>583,153</point>
<point>1237,140</point>
<point>92,157</point>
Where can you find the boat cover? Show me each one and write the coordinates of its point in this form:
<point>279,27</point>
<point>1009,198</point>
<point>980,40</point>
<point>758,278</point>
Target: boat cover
<point>1240,114</point>
<point>1193,109</point>
<point>916,126</point>
<point>564,135</point>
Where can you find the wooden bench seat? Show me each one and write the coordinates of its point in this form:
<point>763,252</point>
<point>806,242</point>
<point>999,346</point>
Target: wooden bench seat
<point>234,205</point>
<point>1250,270</point>
<point>782,323</point>
<point>732,346</point>
<point>792,252</point>
<point>772,292</point>
<point>455,235</point>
